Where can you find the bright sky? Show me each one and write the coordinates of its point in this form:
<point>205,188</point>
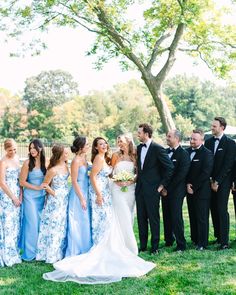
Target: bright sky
<point>66,51</point>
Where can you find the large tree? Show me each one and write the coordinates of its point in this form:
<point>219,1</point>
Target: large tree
<point>151,44</point>
<point>41,94</point>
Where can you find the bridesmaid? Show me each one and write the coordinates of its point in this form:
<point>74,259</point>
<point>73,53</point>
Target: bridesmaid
<point>52,232</point>
<point>31,178</point>
<point>79,228</point>
<point>10,201</point>
<point>99,191</point>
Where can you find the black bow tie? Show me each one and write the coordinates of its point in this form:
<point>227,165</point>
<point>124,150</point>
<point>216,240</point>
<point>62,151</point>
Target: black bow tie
<point>193,151</point>
<point>170,150</point>
<point>143,144</point>
<point>216,139</point>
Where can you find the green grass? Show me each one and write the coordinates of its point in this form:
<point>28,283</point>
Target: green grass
<point>192,272</point>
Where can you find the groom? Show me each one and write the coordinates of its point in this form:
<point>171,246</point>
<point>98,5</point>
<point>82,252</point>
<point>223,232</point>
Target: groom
<point>154,172</point>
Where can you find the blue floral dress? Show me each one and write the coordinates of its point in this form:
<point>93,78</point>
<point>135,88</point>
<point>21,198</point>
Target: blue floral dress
<point>10,221</point>
<point>101,215</point>
<point>53,226</point>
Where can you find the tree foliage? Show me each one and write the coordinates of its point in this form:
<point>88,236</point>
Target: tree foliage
<point>149,43</point>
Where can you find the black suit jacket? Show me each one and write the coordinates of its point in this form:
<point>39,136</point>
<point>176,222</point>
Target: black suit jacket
<point>181,162</point>
<point>200,172</point>
<point>157,169</point>
<point>223,158</point>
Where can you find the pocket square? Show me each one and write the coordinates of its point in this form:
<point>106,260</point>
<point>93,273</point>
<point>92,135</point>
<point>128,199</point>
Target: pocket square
<point>196,160</point>
<point>219,150</point>
<point>174,160</point>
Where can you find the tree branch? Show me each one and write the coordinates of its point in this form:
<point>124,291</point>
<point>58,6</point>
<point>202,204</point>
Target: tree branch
<point>157,52</point>
<point>160,77</point>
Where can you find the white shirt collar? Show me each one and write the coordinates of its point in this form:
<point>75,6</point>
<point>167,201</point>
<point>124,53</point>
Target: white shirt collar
<point>219,136</point>
<point>148,142</point>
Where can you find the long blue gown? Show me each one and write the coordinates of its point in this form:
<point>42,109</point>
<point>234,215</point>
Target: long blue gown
<point>33,202</point>
<point>52,233</point>
<point>10,220</point>
<point>79,238</point>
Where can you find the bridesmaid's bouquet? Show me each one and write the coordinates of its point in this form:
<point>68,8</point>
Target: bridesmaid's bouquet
<point>123,178</point>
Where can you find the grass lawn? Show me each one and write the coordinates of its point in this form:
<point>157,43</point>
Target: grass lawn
<point>192,272</point>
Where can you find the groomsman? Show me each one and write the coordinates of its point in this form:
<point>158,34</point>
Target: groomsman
<point>199,189</point>
<point>234,187</point>
<point>173,195</point>
<point>224,154</point>
<point>154,173</point>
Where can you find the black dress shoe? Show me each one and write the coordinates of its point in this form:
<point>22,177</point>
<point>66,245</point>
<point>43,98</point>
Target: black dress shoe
<point>142,250</point>
<point>154,252</point>
<point>223,247</point>
<point>179,249</point>
<point>200,248</point>
<point>215,242</point>
<point>169,244</point>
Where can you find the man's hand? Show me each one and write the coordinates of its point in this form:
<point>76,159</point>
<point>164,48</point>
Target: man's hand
<point>160,188</point>
<point>214,186</point>
<point>164,192</point>
<point>190,189</point>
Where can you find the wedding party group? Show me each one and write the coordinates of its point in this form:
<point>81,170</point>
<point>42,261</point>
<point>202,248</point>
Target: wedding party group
<point>86,231</point>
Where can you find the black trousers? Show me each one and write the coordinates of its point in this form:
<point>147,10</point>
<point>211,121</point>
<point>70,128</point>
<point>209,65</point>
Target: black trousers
<point>148,213</point>
<point>198,210</point>
<point>219,212</point>
<point>234,198</point>
<point>173,220</point>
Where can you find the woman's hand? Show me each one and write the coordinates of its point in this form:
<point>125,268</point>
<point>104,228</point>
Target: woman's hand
<point>83,204</point>
<point>16,202</point>
<point>124,183</point>
<point>99,200</point>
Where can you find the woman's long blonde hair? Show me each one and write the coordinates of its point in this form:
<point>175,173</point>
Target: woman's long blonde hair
<point>128,138</point>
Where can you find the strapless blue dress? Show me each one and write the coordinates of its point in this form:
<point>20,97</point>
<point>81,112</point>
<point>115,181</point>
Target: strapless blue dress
<point>79,236</point>
<point>33,202</point>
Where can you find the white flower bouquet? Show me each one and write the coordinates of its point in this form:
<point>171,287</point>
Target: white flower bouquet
<point>123,179</point>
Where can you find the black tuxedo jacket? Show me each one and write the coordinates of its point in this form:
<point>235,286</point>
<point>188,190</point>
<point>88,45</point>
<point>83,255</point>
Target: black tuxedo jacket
<point>157,169</point>
<point>181,162</point>
<point>223,158</point>
<point>200,172</point>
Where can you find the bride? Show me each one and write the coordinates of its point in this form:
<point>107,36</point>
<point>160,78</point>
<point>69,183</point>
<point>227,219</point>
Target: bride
<point>109,260</point>
<point>124,202</point>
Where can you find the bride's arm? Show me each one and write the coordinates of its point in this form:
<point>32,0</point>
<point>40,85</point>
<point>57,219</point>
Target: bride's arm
<point>96,168</point>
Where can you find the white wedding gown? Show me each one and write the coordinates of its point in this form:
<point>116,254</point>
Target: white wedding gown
<point>124,204</point>
<point>109,260</point>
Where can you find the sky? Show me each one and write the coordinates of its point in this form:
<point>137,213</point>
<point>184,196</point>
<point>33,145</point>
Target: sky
<point>66,51</point>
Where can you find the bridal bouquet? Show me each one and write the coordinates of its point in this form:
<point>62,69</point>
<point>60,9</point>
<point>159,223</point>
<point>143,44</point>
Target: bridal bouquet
<point>123,177</point>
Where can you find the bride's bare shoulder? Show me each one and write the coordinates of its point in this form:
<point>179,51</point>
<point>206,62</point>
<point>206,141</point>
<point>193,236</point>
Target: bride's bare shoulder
<point>114,158</point>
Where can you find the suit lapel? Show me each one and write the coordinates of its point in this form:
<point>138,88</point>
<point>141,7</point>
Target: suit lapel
<point>212,144</point>
<point>221,143</point>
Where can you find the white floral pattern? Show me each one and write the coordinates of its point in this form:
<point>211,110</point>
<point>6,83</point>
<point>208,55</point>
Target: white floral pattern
<point>51,242</point>
<point>101,215</point>
<point>10,220</point>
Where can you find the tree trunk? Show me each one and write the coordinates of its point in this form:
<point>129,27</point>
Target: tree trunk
<point>155,89</point>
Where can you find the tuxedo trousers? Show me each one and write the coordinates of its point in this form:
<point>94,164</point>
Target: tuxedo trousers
<point>219,212</point>
<point>148,204</point>
<point>173,220</point>
<point>198,210</point>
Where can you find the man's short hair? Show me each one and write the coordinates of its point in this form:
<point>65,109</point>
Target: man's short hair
<point>199,131</point>
<point>177,134</point>
<point>146,129</point>
<point>222,121</point>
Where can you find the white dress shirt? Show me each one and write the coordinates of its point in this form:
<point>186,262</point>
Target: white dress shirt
<point>144,151</point>
<point>217,142</point>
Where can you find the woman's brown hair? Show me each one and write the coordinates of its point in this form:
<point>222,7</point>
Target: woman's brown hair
<point>57,151</point>
<point>95,151</point>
